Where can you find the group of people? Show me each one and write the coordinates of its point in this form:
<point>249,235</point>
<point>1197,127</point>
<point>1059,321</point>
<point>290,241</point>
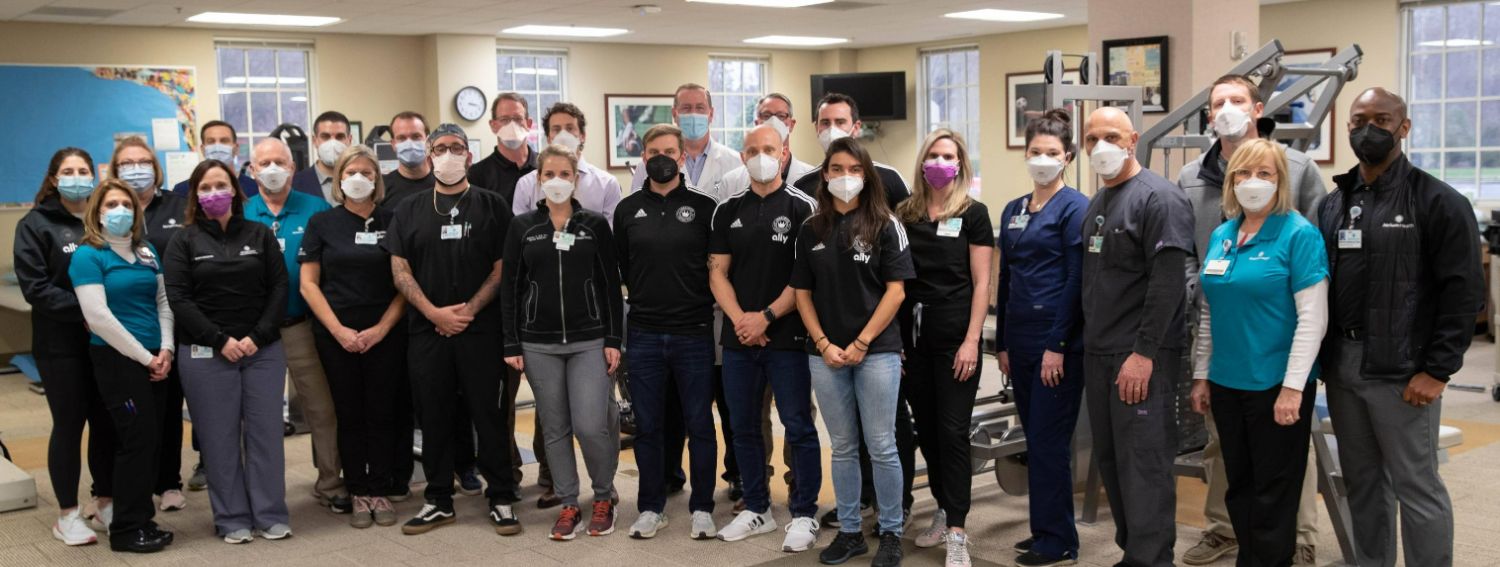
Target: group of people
<point>420,298</point>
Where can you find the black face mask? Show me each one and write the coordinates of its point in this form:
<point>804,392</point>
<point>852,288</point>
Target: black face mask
<point>661,169</point>
<point>1372,144</point>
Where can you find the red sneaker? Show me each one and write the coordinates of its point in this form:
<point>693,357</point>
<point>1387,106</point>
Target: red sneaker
<point>566,527</point>
<point>603,521</point>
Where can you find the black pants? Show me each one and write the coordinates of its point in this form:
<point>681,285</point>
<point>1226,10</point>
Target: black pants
<point>169,450</point>
<point>676,435</point>
<point>73,398</point>
<point>125,387</point>
<point>1265,463</point>
<point>1134,448</point>
<point>440,368</point>
<point>462,438</point>
<point>364,389</point>
<point>942,408</point>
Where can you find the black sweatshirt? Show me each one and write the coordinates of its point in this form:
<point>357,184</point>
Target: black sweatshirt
<point>561,286</point>
<point>226,283</point>
<point>663,243</point>
<point>45,240</point>
<point>164,218</point>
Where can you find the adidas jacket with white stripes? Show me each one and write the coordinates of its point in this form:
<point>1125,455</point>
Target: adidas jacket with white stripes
<point>663,244</point>
<point>848,277</point>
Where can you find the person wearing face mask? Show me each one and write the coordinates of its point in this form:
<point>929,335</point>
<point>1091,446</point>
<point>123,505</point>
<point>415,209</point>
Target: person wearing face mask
<point>286,213</point>
<point>596,189</point>
<point>853,259</point>
<point>227,287</point>
<point>1265,310</point>
<point>1038,346</point>
<point>330,139</point>
<point>446,250</point>
<point>513,158</point>
<point>564,322</point>
<point>413,174</point>
<point>219,142</point>
<point>134,162</point>
<point>45,241</point>
<point>750,261</point>
<point>117,276</point>
<point>346,279</point>
<point>838,117</point>
<point>1137,234</point>
<point>705,160</point>
<point>1235,111</point>
<point>662,235</point>
<point>774,109</point>
<point>1407,283</point>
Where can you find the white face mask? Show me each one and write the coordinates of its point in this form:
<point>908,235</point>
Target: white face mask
<point>827,136</point>
<point>513,135</point>
<point>1254,194</point>
<point>763,168</point>
<point>1044,169</point>
<point>846,188</point>
<point>566,139</point>
<point>1231,122</point>
<point>1108,159</point>
<point>558,190</point>
<point>356,187</point>
<point>780,127</point>
<point>449,169</point>
<point>273,178</point>
<point>329,152</point>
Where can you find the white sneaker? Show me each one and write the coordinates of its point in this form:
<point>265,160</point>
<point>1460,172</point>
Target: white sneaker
<point>276,531</point>
<point>72,530</point>
<point>933,535</point>
<point>958,550</point>
<point>748,524</point>
<point>238,536</point>
<point>102,517</point>
<point>172,500</point>
<point>703,525</point>
<point>647,524</point>
<point>801,534</point>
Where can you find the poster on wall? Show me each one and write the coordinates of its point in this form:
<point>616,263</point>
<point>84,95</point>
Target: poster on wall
<point>1321,147</point>
<point>630,116</point>
<point>58,106</point>
<point>1140,61</point>
<point>1025,96</point>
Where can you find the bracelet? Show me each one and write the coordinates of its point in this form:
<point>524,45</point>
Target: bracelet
<point>861,344</point>
<point>819,340</point>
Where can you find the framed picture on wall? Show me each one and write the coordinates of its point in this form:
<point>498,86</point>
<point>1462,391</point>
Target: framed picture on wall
<point>1140,61</point>
<point>1025,100</point>
<point>629,117</point>
<point>356,132</point>
<point>1321,147</point>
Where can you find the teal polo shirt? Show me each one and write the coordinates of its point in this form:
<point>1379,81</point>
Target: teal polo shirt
<point>129,289</point>
<point>1252,304</point>
<point>289,227</point>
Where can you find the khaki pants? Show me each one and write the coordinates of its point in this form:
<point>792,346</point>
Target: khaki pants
<point>306,373</point>
<point>1218,483</point>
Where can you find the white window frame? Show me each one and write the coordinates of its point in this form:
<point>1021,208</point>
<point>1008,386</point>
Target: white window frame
<point>1442,150</point>
<point>309,50</point>
<point>970,127</point>
<point>539,109</point>
<point>723,129</point>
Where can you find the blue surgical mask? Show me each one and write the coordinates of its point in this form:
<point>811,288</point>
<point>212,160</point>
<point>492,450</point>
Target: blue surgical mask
<point>118,221</point>
<point>139,177</point>
<point>694,126</point>
<point>411,152</point>
<point>221,152</point>
<point>75,187</point>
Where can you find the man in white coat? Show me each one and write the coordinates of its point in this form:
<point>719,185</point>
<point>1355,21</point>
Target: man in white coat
<point>706,160</point>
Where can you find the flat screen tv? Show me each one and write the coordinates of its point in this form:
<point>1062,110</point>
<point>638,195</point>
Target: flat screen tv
<point>881,96</point>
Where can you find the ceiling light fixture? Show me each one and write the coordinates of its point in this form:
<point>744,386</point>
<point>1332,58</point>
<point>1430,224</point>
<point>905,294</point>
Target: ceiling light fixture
<point>796,40</point>
<point>566,31</point>
<point>262,19</point>
<point>766,3</point>
<point>994,15</point>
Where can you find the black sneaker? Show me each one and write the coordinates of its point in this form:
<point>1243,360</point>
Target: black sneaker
<point>503,516</point>
<point>889,554</point>
<point>845,546</point>
<point>1034,559</point>
<point>875,530</point>
<point>431,517</point>
<point>341,505</point>
<point>736,490</point>
<point>468,482</point>
<point>1024,545</point>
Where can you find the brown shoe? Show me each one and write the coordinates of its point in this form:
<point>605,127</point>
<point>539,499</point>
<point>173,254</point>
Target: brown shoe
<point>548,499</point>
<point>1210,549</point>
<point>603,521</point>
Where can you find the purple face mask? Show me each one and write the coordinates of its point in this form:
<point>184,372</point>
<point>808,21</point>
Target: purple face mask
<point>216,203</point>
<point>939,173</point>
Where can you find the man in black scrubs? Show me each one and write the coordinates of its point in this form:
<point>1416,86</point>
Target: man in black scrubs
<point>413,175</point>
<point>1137,234</point>
<point>513,158</point>
<point>446,255</point>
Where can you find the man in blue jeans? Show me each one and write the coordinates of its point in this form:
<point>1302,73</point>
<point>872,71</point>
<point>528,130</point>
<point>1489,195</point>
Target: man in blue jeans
<point>750,265</point>
<point>662,232</point>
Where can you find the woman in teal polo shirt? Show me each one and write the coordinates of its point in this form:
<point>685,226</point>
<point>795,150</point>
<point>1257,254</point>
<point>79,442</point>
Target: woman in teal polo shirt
<point>1265,278</point>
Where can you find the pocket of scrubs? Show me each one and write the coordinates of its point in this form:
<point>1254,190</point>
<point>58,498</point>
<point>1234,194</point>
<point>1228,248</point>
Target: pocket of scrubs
<point>1121,251</point>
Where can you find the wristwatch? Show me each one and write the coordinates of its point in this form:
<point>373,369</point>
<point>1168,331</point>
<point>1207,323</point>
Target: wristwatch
<point>770,315</point>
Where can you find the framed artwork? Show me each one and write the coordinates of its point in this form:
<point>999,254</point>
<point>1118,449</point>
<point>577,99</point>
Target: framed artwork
<point>1321,147</point>
<point>1025,97</point>
<point>356,132</point>
<point>1140,61</point>
<point>629,117</point>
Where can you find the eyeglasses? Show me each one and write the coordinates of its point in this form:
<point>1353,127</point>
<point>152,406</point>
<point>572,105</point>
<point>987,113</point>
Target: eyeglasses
<point>455,149</point>
<point>135,163</point>
<point>508,120</point>
<point>784,116</point>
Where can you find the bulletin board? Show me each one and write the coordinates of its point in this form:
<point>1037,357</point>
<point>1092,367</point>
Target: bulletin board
<point>48,107</point>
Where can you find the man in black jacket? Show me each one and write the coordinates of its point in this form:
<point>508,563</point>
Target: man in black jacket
<point>1404,251</point>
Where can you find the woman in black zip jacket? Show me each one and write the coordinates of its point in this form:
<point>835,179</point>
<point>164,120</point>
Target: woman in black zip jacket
<point>563,318</point>
<point>45,240</point>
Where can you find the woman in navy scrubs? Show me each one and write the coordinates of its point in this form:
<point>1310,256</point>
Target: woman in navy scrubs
<point>1037,312</point>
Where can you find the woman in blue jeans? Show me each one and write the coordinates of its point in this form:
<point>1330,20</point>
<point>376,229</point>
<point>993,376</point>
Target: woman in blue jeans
<point>852,262</point>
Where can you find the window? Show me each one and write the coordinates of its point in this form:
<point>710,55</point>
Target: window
<point>263,85</point>
<point>950,95</point>
<point>540,75</point>
<point>737,83</point>
<point>1453,90</point>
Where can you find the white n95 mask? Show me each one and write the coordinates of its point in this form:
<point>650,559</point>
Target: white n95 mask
<point>566,139</point>
<point>1231,122</point>
<point>1254,194</point>
<point>558,190</point>
<point>357,187</point>
<point>1044,169</point>
<point>273,178</point>
<point>847,187</point>
<point>827,136</point>
<point>763,168</point>
<point>1108,159</point>
<point>329,152</point>
<point>513,135</point>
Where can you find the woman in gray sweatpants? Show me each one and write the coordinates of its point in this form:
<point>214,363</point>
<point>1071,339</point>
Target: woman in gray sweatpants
<point>563,315</point>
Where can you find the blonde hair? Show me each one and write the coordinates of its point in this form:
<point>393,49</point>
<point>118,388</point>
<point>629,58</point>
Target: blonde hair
<point>914,209</point>
<point>136,142</point>
<point>357,151</point>
<point>556,150</point>
<point>1246,157</point>
<point>93,233</point>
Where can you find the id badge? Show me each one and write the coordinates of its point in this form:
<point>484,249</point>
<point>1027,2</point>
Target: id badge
<point>200,351</point>
<point>281,242</point>
<point>1216,267</point>
<point>950,228</point>
<point>1019,222</point>
<point>1351,239</point>
<point>1096,244</point>
<point>366,238</point>
<point>564,240</point>
<point>452,231</point>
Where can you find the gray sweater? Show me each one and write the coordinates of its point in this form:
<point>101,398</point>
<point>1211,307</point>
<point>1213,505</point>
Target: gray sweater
<point>1207,198</point>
